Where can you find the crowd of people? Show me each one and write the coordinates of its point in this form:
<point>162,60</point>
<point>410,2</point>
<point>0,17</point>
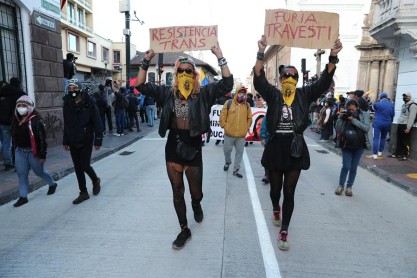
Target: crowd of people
<point>184,119</point>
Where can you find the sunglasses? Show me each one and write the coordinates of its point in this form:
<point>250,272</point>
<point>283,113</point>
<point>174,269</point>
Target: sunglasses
<point>188,71</point>
<point>287,75</point>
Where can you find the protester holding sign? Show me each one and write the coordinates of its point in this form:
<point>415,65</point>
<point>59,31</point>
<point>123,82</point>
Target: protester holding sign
<point>287,119</point>
<point>185,113</point>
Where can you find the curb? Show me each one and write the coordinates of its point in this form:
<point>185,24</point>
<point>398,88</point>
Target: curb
<point>13,194</point>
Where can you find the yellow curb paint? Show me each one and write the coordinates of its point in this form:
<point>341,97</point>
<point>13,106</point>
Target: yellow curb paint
<point>413,175</point>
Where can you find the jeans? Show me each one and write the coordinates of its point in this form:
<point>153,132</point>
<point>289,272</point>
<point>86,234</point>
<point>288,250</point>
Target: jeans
<point>239,144</point>
<point>6,144</point>
<point>81,157</point>
<point>350,162</point>
<point>26,161</point>
<point>150,112</point>
<point>120,114</point>
<point>380,134</point>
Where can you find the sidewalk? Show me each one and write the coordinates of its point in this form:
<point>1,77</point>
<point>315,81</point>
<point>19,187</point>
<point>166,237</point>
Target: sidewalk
<point>400,173</point>
<point>59,164</point>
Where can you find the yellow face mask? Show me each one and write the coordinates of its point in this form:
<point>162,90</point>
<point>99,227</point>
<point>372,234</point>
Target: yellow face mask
<point>185,84</point>
<point>288,90</point>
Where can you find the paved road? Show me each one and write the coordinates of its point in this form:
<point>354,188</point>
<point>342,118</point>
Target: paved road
<point>127,230</point>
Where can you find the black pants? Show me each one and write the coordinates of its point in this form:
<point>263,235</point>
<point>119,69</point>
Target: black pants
<point>81,157</point>
<point>109,119</point>
<point>133,116</point>
<point>403,141</point>
<point>143,116</point>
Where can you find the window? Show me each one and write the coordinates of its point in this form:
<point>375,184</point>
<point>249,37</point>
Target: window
<point>80,17</point>
<point>91,49</point>
<point>73,42</point>
<point>116,56</point>
<point>105,54</point>
<point>12,55</point>
<point>168,78</point>
<point>151,77</point>
<point>71,13</point>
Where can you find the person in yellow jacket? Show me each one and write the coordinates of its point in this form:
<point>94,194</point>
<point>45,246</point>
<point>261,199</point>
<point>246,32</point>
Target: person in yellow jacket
<point>235,119</point>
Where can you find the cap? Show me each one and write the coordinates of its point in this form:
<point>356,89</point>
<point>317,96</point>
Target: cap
<point>359,93</point>
<point>383,95</point>
<point>75,84</point>
<point>407,95</point>
<point>241,88</point>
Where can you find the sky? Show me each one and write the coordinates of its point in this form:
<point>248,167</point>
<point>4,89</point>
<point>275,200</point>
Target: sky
<point>240,25</point>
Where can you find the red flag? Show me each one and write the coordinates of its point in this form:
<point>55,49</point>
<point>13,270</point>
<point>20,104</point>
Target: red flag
<point>63,3</point>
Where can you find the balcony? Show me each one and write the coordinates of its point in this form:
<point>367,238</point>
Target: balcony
<point>78,27</point>
<point>394,19</point>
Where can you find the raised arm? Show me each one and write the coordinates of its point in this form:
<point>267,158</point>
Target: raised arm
<point>143,67</point>
<point>216,50</point>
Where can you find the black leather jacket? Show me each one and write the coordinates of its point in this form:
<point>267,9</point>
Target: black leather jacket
<point>300,106</point>
<point>200,105</point>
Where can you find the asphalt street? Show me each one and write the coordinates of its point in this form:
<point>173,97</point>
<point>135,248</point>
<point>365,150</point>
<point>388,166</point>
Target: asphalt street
<point>127,230</point>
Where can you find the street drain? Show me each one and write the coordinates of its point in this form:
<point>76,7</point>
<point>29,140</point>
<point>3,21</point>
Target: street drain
<point>322,151</point>
<point>125,153</point>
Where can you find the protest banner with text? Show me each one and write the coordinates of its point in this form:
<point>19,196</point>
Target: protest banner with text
<point>305,29</point>
<point>182,38</point>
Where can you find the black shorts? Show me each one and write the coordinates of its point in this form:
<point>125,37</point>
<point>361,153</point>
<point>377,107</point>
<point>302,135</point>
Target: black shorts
<point>277,156</point>
<point>171,146</point>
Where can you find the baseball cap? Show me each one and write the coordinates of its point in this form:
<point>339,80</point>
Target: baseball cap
<point>407,95</point>
<point>383,95</point>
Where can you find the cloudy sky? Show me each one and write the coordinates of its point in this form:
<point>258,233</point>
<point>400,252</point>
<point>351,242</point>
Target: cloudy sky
<point>240,25</point>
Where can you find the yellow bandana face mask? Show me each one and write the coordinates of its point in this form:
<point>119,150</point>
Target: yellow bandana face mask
<point>288,90</point>
<point>185,84</point>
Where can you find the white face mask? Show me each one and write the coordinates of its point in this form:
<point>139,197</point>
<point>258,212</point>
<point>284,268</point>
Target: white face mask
<point>22,110</point>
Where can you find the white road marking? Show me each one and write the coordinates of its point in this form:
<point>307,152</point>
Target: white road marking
<point>268,254</point>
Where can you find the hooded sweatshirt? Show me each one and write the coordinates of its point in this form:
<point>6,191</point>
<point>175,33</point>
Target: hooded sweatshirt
<point>236,119</point>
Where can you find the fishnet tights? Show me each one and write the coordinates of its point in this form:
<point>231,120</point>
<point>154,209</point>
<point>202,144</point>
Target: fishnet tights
<point>194,177</point>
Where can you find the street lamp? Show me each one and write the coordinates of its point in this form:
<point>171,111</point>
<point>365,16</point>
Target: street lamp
<point>124,7</point>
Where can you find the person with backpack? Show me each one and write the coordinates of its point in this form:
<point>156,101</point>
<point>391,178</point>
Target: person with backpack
<point>405,122</point>
<point>235,119</point>
<point>9,94</point>
<point>353,125</point>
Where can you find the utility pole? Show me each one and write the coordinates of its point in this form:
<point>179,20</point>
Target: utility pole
<point>127,33</point>
<point>318,59</point>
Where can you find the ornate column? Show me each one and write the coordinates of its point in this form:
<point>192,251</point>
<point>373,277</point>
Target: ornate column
<point>390,76</point>
<point>374,77</point>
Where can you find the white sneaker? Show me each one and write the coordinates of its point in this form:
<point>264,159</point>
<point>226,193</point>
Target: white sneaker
<point>379,154</point>
<point>374,156</point>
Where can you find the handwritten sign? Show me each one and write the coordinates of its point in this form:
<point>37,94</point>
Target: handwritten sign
<point>182,38</point>
<point>253,134</point>
<point>306,29</point>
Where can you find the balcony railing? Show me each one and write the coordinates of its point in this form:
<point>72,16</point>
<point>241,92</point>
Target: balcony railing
<point>70,21</point>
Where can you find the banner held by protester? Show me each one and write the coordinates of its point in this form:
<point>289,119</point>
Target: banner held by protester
<point>305,29</point>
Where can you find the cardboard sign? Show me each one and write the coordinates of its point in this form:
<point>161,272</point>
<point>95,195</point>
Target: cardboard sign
<point>182,38</point>
<point>305,29</point>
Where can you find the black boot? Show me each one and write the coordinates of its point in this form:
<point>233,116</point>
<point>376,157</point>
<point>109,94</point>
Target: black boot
<point>96,186</point>
<point>198,213</point>
<point>83,197</point>
<point>20,202</point>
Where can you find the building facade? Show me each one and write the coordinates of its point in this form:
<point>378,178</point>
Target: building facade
<point>395,27</point>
